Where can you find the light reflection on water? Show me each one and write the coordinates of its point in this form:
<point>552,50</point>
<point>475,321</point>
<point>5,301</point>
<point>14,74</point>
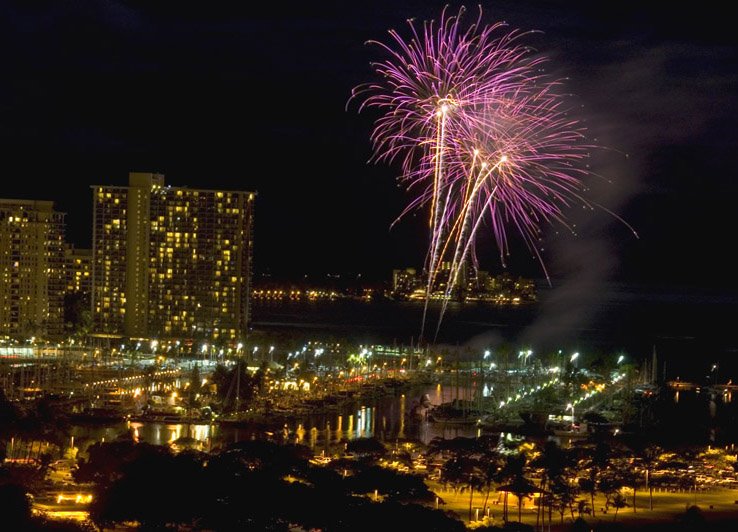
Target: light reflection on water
<point>381,417</point>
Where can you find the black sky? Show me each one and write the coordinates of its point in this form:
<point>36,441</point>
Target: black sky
<point>253,97</point>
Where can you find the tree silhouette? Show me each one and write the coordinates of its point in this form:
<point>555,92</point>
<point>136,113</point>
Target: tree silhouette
<point>106,460</point>
<point>692,519</point>
<point>195,386</point>
<point>134,495</point>
<point>647,454</point>
<point>77,314</point>
<point>491,466</point>
<point>513,472</point>
<point>609,484</point>
<point>597,461</point>
<point>631,478</point>
<point>618,501</point>
<point>563,495</point>
<point>15,507</point>
<point>9,416</point>
<point>556,464</point>
<point>366,447</point>
<point>392,484</point>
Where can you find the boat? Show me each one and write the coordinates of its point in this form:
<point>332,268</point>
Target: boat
<point>575,430</point>
<point>457,412</point>
<point>110,406</point>
<point>419,409</point>
<point>98,415</point>
<point>647,390</point>
<point>500,422</point>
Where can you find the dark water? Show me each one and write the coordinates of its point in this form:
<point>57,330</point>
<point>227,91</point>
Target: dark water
<point>690,329</point>
<point>383,416</point>
<point>704,415</point>
<point>685,417</point>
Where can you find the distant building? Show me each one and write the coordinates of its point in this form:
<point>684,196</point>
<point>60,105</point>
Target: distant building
<point>471,285</point>
<point>171,261</point>
<point>405,281</point>
<point>77,270</point>
<point>31,268</point>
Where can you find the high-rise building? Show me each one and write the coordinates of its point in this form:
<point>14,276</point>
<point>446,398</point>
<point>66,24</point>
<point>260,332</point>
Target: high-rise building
<point>31,268</point>
<point>405,281</point>
<point>78,270</point>
<point>171,261</point>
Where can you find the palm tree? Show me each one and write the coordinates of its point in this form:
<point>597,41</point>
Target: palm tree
<point>648,454</point>
<point>618,501</point>
<point>563,495</point>
<point>460,471</point>
<point>514,473</point>
<point>556,464</point>
<point>521,487</point>
<point>630,479</point>
<point>610,485</point>
<point>465,467</point>
<point>649,458</point>
<point>597,462</point>
<point>583,507</point>
<point>491,466</point>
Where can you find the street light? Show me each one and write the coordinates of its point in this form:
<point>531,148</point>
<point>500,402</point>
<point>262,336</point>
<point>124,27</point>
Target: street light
<point>487,353</point>
<point>621,358</point>
<point>571,406</point>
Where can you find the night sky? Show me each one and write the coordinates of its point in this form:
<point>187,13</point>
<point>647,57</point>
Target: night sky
<point>253,97</point>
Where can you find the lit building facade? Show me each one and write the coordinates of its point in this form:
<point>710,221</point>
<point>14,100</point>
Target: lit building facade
<point>405,281</point>
<point>77,270</point>
<point>171,261</point>
<point>32,268</point>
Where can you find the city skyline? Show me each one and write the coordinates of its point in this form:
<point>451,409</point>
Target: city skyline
<point>179,92</point>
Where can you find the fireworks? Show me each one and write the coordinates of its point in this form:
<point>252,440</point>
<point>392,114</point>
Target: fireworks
<point>482,134</point>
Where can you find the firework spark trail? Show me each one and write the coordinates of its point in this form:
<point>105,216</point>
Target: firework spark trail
<point>437,207</point>
<point>482,134</point>
<point>466,215</point>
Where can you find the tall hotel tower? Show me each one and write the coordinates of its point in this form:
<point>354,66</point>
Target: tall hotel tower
<point>31,268</point>
<point>171,261</point>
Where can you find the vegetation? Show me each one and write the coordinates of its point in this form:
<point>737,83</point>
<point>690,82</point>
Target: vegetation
<point>255,485</point>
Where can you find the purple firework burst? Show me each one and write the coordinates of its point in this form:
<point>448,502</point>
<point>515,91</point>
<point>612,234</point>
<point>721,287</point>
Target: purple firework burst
<point>482,134</point>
